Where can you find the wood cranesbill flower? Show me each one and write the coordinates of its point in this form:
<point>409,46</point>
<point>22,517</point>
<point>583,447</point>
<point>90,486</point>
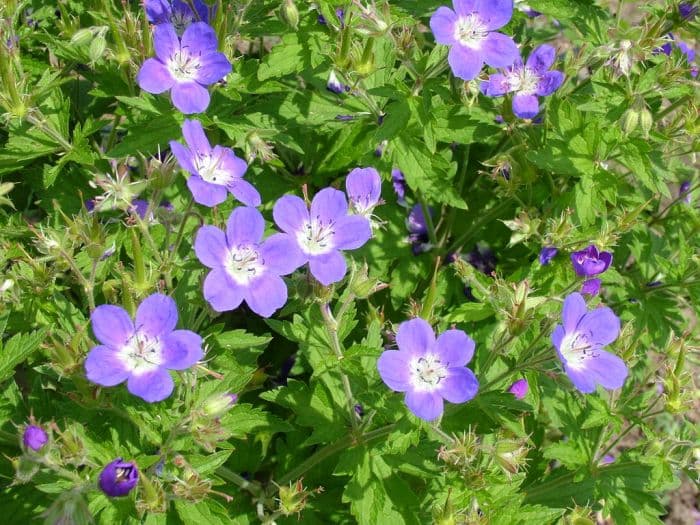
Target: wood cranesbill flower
<point>179,13</point>
<point>243,266</point>
<point>184,66</point>
<point>469,30</point>
<point>579,342</point>
<point>519,388</point>
<point>547,254</point>
<point>141,352</point>
<point>527,81</point>
<point>320,233</point>
<point>214,172</point>
<point>118,478</point>
<point>34,437</point>
<point>364,188</point>
<point>429,370</point>
<point>590,262</point>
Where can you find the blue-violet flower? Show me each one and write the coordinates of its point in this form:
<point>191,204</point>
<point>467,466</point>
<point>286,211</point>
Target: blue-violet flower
<point>34,437</point>
<point>590,261</point>
<point>118,478</point>
<point>364,188</point>
<point>176,12</point>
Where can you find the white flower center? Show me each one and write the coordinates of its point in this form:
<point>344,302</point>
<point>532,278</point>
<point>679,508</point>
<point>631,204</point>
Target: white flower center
<point>211,170</point>
<point>523,80</point>
<point>316,238</point>
<point>245,264</point>
<point>470,31</point>
<point>427,372</point>
<point>183,66</point>
<point>576,349</point>
<point>142,353</point>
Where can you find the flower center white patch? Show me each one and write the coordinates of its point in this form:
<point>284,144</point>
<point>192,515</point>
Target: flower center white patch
<point>245,264</point>
<point>523,80</point>
<point>316,238</point>
<point>470,31</point>
<point>142,353</point>
<point>362,205</point>
<point>427,372</point>
<point>182,66</point>
<point>211,169</point>
<point>576,349</point>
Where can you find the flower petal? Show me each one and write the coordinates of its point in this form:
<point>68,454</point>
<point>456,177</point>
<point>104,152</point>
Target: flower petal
<point>606,369</point>
<point>156,315</point>
<point>464,62</point>
<point>426,405</point>
<point>213,67</point>
<point>195,137</point>
<point>351,232</point>
<point>199,39</point>
<point>183,156</point>
<point>245,192</point>
<point>601,325</point>
<point>549,83</point>
<point>455,348</point>
<point>394,369</point>
<point>525,106</point>
<point>494,13</point>
<point>364,184</point>
<point>206,193</point>
<point>111,325</point>
<point>245,225</point>
<point>499,50</point>
<point>572,312</point>
<point>442,24</point>
<point>328,205</point>
<point>154,77</point>
<point>328,268</point>
<point>495,86</point>
<point>221,292</point>
<point>231,163</point>
<point>464,7</point>
<point>582,380</point>
<point>266,295</point>
<point>290,213</point>
<point>190,97</point>
<point>152,386</point>
<point>281,254</point>
<point>557,336</point>
<point>459,386</point>
<point>181,349</point>
<point>210,246</point>
<point>165,41</point>
<point>415,336</point>
<point>542,58</point>
<point>103,367</point>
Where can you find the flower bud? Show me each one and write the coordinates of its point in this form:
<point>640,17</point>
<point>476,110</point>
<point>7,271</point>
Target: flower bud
<point>630,120</point>
<point>292,498</point>
<point>118,478</point>
<point>519,388</point>
<point>34,438</point>
<point>646,121</point>
<point>290,14</point>
<point>217,406</point>
<point>510,454</point>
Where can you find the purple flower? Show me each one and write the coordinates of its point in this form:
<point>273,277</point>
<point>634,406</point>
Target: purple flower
<point>687,10</point>
<point>334,85</point>
<point>519,388</point>
<point>580,341</point>
<point>527,81</point>
<point>607,459</point>
<point>118,478</point>
<point>591,287</point>
<point>469,30</point>
<point>214,171</point>
<point>399,183</point>
<point>547,254</point>
<point>590,262</point>
<point>684,191</point>
<point>141,353</point>
<point>364,187</point>
<point>34,437</point>
<point>482,258</point>
<point>322,233</point>
<point>428,369</point>
<point>243,267</point>
<point>184,66</point>
<point>418,229</point>
<point>176,12</point>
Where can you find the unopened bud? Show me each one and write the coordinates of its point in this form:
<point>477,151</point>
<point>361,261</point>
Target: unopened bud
<point>630,120</point>
<point>290,14</point>
<point>97,48</point>
<point>82,36</point>
<point>510,454</point>
<point>646,121</point>
<point>292,498</point>
<point>217,406</point>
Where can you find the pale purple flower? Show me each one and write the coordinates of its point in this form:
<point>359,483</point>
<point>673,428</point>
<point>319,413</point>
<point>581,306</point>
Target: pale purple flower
<point>141,352</point>
<point>579,342</point>
<point>184,66</point>
<point>527,81</point>
<point>334,84</point>
<point>321,233</point>
<point>547,254</point>
<point>519,388</point>
<point>590,261</point>
<point>118,478</point>
<point>429,370</point>
<point>214,172</point>
<point>243,266</point>
<point>591,287</point>
<point>607,459</point>
<point>176,12</point>
<point>34,437</point>
<point>364,187</point>
<point>469,30</point>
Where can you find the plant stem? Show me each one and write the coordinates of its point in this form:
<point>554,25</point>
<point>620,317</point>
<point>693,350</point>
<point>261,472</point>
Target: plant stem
<point>244,484</point>
<point>428,219</point>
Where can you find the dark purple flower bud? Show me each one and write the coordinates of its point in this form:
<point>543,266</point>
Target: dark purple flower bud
<point>334,85</point>
<point>90,205</point>
<point>418,230</point>
<point>687,10</point>
<point>399,183</point>
<point>345,118</point>
<point>34,437</point>
<point>322,20</point>
<point>547,254</point>
<point>139,207</point>
<point>498,119</point>
<point>118,478</point>
<point>607,459</point>
<point>359,410</point>
<point>380,119</point>
<point>590,262</point>
<point>340,13</point>
<point>519,388</point>
<point>482,258</point>
<point>591,287</point>
<point>683,190</point>
<point>654,284</point>
<point>108,252</point>
<point>379,150</point>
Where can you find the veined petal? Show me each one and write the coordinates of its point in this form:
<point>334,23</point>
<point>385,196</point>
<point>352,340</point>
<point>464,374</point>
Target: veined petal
<point>266,295</point>
<point>606,369</point>
<point>199,39</point>
<point>364,184</point>
<point>464,62</point>
<point>558,336</point>
<point>221,292</point>
<point>245,225</point>
<point>415,336</point>
<point>541,58</point>
<point>351,232</point>
<point>394,370</point>
<point>442,24</point>
<point>152,386</point>
<point>213,67</point>
<point>455,348</point>
<point>328,268</point>
<point>495,86</point>
<point>281,254</point>
<point>190,97</point>
<point>494,13</point>
<point>165,41</point>
<point>601,325</point>
<point>111,325</point>
<point>549,83</point>
<point>574,309</point>
<point>459,386</point>
<point>499,50</point>
<point>290,213</point>
<point>195,137</point>
<point>183,156</point>
<point>181,349</point>
<point>205,193</point>
<point>328,205</point>
<point>245,192</point>
<point>154,77</point>
<point>426,405</point>
<point>210,246</point>
<point>156,315</point>
<point>103,367</point>
<point>525,106</point>
<point>464,7</point>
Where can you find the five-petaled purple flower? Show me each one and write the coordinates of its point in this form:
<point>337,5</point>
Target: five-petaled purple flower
<point>176,12</point>
<point>580,340</point>
<point>547,254</point>
<point>364,188</point>
<point>184,66</point>
<point>469,30</point>
<point>519,388</point>
<point>428,369</point>
<point>141,353</point>
<point>34,437</point>
<point>214,171</point>
<point>322,232</point>
<point>118,478</point>
<point>527,81</point>
<point>245,268</point>
<point>590,262</point>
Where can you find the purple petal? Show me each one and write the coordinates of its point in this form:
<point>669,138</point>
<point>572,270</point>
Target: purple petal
<point>459,386</point>
<point>495,86</point>
<point>572,312</point>
<point>364,185</point>
<point>557,336</point>
<point>205,193</point>
<point>221,292</point>
<point>290,213</point>
<point>542,58</point>
<point>111,325</point>
<point>525,106</point>
<point>591,287</point>
<point>606,369</point>
<point>103,367</point>
<point>151,386</point>
<point>601,324</point>
<point>455,348</point>
<point>183,156</point>
<point>549,83</point>
<point>190,97</point>
<point>519,388</point>
<point>281,254</point>
<point>195,137</point>
<point>442,24</point>
<point>328,205</point>
<point>199,39</point>
<point>244,226</point>
<point>494,13</point>
<point>607,258</point>
<point>245,192</point>
<point>499,50</point>
<point>464,62</point>
<point>465,7</point>
<point>156,315</point>
<point>426,405</point>
<point>328,268</point>
<point>394,369</point>
<point>230,163</point>
<point>266,295</point>
<point>351,232</point>
<point>210,246</point>
<point>213,68</point>
<point>154,77</point>
<point>157,11</point>
<point>415,336</point>
<point>165,41</point>
<point>581,379</point>
<point>181,349</point>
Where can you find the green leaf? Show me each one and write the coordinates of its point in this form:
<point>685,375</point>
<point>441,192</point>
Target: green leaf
<point>285,58</point>
<point>17,350</point>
